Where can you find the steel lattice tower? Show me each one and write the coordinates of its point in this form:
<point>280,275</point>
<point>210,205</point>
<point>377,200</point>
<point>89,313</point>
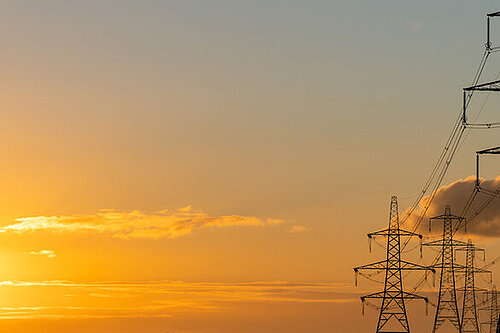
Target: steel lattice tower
<point>392,316</point>
<point>469,318</point>
<point>493,309</point>
<point>447,307</point>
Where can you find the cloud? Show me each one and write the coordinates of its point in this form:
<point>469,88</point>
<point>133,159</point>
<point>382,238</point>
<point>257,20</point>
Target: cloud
<point>136,224</point>
<point>456,194</point>
<point>47,253</point>
<point>72,299</point>
<point>298,229</point>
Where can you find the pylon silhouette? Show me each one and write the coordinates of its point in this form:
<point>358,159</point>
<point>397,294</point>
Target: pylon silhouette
<point>493,309</point>
<point>447,306</point>
<point>469,318</point>
<point>392,316</point>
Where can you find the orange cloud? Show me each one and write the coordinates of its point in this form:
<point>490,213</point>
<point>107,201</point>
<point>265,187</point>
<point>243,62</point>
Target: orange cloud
<point>73,300</point>
<point>136,224</point>
<point>47,253</point>
<point>298,229</point>
<point>456,194</point>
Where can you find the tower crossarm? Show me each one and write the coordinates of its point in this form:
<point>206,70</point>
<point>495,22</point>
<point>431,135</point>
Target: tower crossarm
<point>405,266</point>
<point>455,267</point>
<point>400,232</point>
<point>403,294</point>
<point>409,266</point>
<point>407,295</point>
<point>488,86</point>
<point>492,151</point>
<point>439,243</point>
<point>475,289</point>
<point>475,270</point>
<point>478,270</point>
<point>380,265</point>
<point>474,248</point>
<point>447,217</point>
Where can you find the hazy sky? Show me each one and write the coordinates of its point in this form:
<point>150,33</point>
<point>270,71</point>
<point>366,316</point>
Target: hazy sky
<point>227,156</point>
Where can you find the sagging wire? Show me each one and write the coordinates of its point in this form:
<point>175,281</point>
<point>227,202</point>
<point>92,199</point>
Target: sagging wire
<point>449,141</point>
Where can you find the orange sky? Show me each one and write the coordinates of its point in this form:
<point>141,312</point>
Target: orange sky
<point>194,166</point>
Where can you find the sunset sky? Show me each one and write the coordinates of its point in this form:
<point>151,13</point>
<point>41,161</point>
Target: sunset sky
<point>214,166</point>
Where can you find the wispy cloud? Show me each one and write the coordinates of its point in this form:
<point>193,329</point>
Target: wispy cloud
<point>67,299</point>
<point>298,229</point>
<point>45,253</point>
<point>136,224</point>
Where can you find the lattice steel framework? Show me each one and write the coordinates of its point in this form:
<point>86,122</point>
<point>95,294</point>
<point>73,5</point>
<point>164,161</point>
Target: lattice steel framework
<point>469,318</point>
<point>493,309</point>
<point>447,306</point>
<point>392,316</point>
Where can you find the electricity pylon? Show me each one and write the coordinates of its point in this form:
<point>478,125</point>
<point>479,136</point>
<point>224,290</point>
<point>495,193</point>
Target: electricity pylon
<point>493,309</point>
<point>392,316</point>
<point>469,318</point>
<point>447,307</point>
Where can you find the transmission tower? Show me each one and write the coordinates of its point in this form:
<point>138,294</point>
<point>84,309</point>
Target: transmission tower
<point>469,319</point>
<point>392,316</point>
<point>447,307</point>
<point>493,309</point>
